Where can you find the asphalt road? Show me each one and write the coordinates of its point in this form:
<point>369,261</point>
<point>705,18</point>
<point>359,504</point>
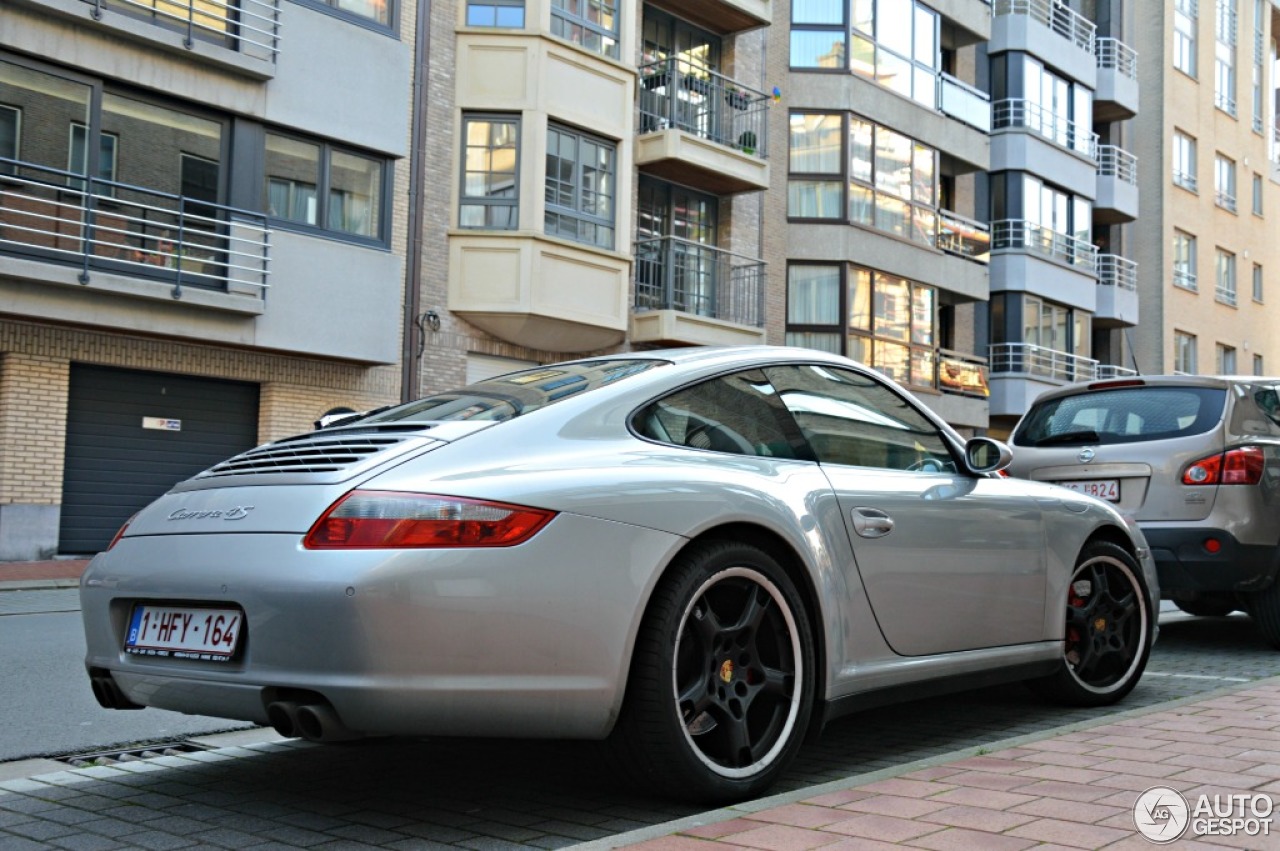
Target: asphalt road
<point>498,795</point>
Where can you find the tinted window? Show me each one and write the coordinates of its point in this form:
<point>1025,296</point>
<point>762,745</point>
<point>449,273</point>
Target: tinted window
<point>853,419</point>
<point>516,393</point>
<point>738,413</point>
<point>1122,415</point>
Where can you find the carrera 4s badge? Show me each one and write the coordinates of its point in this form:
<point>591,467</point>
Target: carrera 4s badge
<point>239,512</point>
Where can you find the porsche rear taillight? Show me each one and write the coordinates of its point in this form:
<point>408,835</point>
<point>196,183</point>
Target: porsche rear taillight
<point>120,533</point>
<point>1242,466</point>
<point>394,520</point>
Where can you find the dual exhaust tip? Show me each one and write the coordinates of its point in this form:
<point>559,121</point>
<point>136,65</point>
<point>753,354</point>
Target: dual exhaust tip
<point>316,722</point>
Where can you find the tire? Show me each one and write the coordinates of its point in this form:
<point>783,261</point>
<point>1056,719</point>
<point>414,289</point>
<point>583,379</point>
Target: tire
<point>1109,630</point>
<point>722,680</point>
<point>1264,608</point>
<point>1208,606</point>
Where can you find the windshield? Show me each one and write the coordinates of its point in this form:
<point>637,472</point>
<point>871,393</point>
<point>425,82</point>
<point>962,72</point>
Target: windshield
<point>513,394</point>
<point>1122,415</point>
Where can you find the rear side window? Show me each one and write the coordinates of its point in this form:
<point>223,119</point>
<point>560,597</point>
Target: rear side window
<point>1122,415</point>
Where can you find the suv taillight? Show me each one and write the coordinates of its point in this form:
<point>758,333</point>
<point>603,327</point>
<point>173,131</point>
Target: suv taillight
<point>1241,466</point>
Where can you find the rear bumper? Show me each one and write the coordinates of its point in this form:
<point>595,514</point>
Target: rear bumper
<point>1185,565</point>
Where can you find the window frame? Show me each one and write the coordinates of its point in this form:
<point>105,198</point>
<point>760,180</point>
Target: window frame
<point>610,39</point>
<point>333,7</point>
<point>16,140</point>
<point>1186,20</point>
<point>1258,283</point>
<point>496,6</point>
<point>324,192</point>
<point>1225,284</point>
<point>577,185</point>
<point>1184,353</point>
<point>488,202</point>
<point>1225,359</point>
<point>1184,161</point>
<point>1184,270</point>
<point>1224,182</point>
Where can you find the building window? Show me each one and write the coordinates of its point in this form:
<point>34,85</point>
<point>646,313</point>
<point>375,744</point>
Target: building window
<point>78,157</point>
<point>1257,194</point>
<point>1184,35</point>
<point>1027,213</point>
<point>378,11</point>
<point>1257,282</point>
<point>1184,260</point>
<point>593,24</point>
<point>1225,275</point>
<point>1224,56</point>
<point>887,322</point>
<point>490,178</point>
<point>507,14</point>
<point>1184,161</point>
<point>10,133</point>
<point>1028,95</point>
<point>1225,359</point>
<point>1184,353</point>
<point>895,43</point>
<point>1224,182</point>
<point>1259,55</point>
<point>581,183</point>
<point>313,183</point>
<point>1258,365</point>
<point>891,180</point>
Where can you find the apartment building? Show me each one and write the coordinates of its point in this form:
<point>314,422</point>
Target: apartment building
<point>596,181</point>
<point>202,241</point>
<point>1206,242</point>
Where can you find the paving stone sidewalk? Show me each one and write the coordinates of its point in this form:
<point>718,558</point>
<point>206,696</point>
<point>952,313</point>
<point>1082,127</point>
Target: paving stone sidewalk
<point>53,573</point>
<point>1074,789</point>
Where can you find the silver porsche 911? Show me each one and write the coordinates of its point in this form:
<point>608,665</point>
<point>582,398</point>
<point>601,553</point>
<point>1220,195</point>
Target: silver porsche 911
<point>699,555</point>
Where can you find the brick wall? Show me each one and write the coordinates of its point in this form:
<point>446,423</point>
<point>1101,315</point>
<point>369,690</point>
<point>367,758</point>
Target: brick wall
<point>33,428</point>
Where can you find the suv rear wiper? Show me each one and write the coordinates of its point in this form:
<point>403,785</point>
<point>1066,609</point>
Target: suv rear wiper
<point>1083,436</point>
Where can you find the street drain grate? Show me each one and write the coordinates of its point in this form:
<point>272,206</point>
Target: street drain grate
<point>132,754</point>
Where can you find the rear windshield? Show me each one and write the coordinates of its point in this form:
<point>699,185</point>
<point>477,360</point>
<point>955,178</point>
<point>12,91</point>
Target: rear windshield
<point>1122,415</point>
<point>513,394</point>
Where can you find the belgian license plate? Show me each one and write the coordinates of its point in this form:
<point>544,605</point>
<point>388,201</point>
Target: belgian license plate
<point>184,633</point>
<point>1108,489</point>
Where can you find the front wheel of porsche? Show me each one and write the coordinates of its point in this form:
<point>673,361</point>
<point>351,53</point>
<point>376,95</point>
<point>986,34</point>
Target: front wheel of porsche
<point>1109,629</point>
<point>722,680</point>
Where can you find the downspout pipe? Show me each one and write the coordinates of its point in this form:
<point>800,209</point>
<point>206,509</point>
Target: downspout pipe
<point>412,346</point>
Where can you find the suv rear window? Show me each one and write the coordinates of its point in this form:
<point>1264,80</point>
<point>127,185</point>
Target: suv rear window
<point>1122,415</point>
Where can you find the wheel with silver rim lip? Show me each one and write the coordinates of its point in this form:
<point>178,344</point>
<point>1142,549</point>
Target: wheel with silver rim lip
<point>721,688</point>
<point>1109,629</point>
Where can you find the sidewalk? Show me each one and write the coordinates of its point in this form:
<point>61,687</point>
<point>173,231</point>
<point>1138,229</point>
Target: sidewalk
<point>1078,788</point>
<point>55,573</point>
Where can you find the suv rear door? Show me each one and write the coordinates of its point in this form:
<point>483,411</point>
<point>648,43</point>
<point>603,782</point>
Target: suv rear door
<point>1127,442</point>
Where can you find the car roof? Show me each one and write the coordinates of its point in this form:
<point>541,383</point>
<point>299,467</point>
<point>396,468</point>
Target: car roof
<point>1221,381</point>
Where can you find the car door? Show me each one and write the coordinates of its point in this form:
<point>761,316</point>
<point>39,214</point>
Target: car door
<point>949,561</point>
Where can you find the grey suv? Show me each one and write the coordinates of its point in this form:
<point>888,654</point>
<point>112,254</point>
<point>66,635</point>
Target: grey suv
<point>1194,459</point>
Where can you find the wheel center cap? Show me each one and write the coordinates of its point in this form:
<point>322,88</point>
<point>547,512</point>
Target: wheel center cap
<point>1100,624</point>
<point>726,670</point>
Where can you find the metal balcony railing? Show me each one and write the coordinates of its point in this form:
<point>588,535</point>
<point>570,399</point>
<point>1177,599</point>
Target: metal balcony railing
<point>1030,359</point>
<point>1021,113</point>
<point>1225,293</point>
<point>1117,271</point>
<point>1224,199</point>
<point>108,226</point>
<point>963,237</point>
<point>678,94</point>
<point>962,374</point>
<point>678,274</point>
<point>1110,370</point>
<point>251,27</point>
<point>1020,234</point>
<point>1116,162</point>
<point>1225,102</point>
<point>1186,180</point>
<point>1186,280</point>
<point>1058,17</point>
<point>1114,55</point>
<point>963,102</point>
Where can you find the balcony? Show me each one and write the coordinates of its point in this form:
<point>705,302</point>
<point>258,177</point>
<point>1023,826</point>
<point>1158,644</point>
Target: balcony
<point>1022,371</point>
<point>693,294</point>
<point>963,386</point>
<point>1049,30</point>
<point>1116,97</point>
<point>725,17</point>
<point>1117,292</point>
<point>964,102</point>
<point>701,129</point>
<point>1117,193</point>
<point>133,240</point>
<point>1030,258</point>
<point>1028,137</point>
<point>964,237</point>
<point>239,35</point>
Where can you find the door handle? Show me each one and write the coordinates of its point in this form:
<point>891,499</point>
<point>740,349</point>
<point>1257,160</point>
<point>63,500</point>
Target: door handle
<point>871,522</point>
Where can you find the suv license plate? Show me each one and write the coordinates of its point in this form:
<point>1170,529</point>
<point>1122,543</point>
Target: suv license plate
<point>184,633</point>
<point>1108,489</point>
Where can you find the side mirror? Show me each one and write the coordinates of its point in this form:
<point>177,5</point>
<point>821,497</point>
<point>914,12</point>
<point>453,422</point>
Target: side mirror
<point>986,455</point>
